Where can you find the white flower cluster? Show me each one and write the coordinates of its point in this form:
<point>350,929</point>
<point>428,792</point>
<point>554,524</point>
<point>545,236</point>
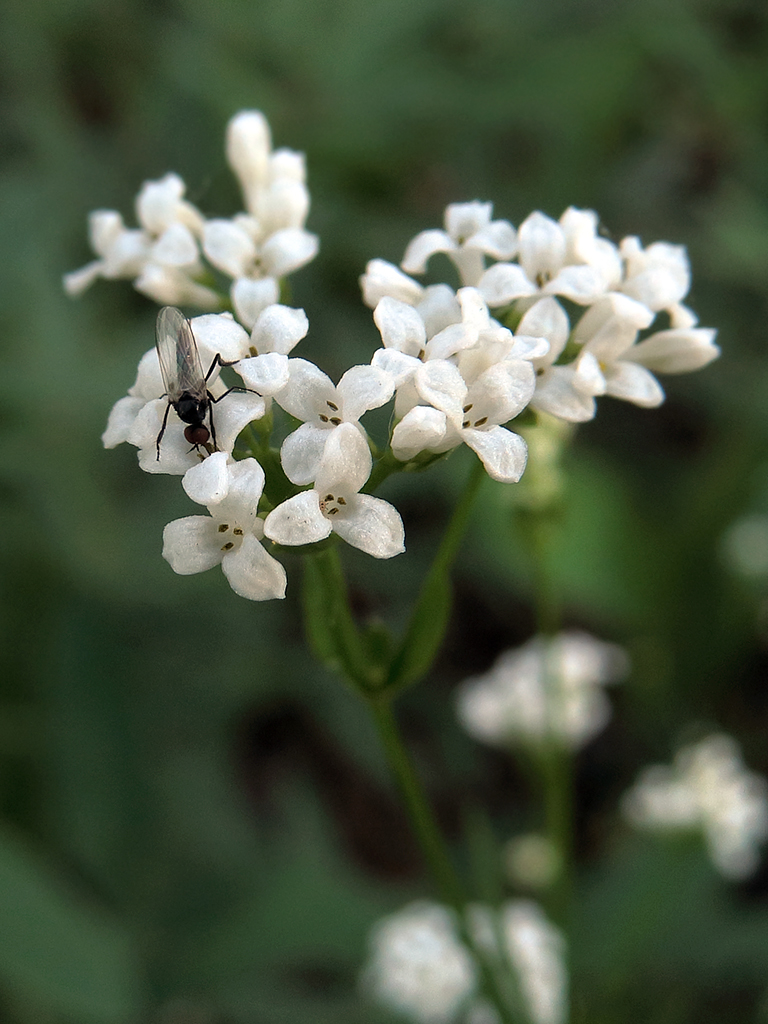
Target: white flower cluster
<point>626,289</point>
<point>546,690</point>
<point>165,257</point>
<point>708,788</point>
<point>419,966</point>
<point>457,375</point>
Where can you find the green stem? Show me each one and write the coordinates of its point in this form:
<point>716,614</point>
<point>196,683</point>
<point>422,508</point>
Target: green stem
<point>436,854</point>
<point>429,619</point>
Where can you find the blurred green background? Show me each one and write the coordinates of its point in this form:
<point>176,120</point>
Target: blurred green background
<point>196,821</point>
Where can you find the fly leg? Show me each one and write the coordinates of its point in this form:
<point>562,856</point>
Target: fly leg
<point>162,430</point>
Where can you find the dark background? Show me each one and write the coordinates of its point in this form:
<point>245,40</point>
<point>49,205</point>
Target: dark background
<point>197,826</point>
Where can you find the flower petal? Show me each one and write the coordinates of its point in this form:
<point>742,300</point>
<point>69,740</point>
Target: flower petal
<point>373,526</point>
<point>400,326</point>
<point>541,243</point>
<point>547,319</point>
<point>250,297</point>
<point>439,383</point>
<point>503,283</point>
<point>279,329</point>
<point>421,429</point>
<point>228,247</point>
<point>219,334</point>
<point>288,249</point>
<point>233,414</point>
<point>192,544</point>
<point>385,279</point>
<point>307,387</point>
<point>121,419</point>
<point>266,374</point>
<point>676,351</point>
<point>302,452</point>
<point>557,394</point>
<point>347,461</point>
<point>362,388</point>
<point>503,453</point>
<point>298,521</point>
<point>252,573</point>
<point>207,483</point>
<point>633,383</point>
<point>424,245</point>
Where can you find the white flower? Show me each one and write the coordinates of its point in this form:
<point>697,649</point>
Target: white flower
<point>469,413</point>
<point>612,362</point>
<point>707,787</point>
<point>268,241</point>
<point>555,258</point>
<point>418,966</point>
<point>335,504</point>
<point>162,256</point>
<point>231,535</point>
<point>537,949</point>
<point>543,691</point>
<point>139,416</point>
<point>311,396</point>
<point>658,276</point>
<point>469,235</point>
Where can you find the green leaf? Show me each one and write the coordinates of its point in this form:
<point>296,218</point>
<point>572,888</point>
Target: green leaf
<point>57,950</point>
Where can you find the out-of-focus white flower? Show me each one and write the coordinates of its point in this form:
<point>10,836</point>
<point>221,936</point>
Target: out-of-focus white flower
<point>310,395</point>
<point>707,787</point>
<point>469,236</point>
<point>418,966</point>
<point>746,545</point>
<point>658,276</point>
<point>565,257</point>
<point>231,535</point>
<point>162,256</point>
<point>382,278</point>
<point>535,948</point>
<point>138,417</point>
<point>268,241</point>
<point>543,691</point>
<point>335,504</point>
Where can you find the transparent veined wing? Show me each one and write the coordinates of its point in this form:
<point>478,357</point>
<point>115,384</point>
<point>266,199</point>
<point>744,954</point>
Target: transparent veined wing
<point>178,355</point>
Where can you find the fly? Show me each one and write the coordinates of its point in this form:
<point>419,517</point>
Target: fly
<point>185,385</point>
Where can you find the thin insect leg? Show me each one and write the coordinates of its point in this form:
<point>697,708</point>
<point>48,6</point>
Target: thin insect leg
<point>218,361</point>
<point>162,430</point>
<point>229,392</point>
<point>210,420</point>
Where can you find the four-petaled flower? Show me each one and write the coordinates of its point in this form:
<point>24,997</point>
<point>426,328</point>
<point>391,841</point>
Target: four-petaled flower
<point>231,535</point>
<point>335,505</point>
<point>311,396</point>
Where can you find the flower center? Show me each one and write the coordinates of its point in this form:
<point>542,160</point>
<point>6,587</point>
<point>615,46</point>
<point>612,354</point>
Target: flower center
<point>231,534</point>
<point>332,504</point>
<point>331,415</point>
<point>467,423</point>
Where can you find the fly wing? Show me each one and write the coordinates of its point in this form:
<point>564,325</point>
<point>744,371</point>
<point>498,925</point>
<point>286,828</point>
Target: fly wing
<point>178,355</point>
